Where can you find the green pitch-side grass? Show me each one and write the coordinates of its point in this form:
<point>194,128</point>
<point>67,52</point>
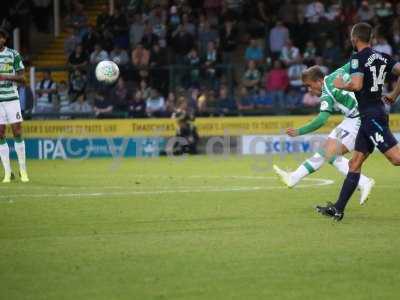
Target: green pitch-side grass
<point>104,229</point>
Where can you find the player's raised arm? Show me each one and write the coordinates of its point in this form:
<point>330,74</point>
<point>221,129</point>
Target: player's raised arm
<point>312,126</point>
<point>356,80</point>
<point>355,84</point>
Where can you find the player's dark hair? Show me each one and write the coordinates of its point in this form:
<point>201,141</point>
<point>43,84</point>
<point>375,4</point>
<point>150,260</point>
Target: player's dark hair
<point>362,31</point>
<point>313,73</point>
<point>4,32</point>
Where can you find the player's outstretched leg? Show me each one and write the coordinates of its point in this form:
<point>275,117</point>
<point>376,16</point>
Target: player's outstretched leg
<point>312,164</point>
<point>308,167</point>
<point>19,145</point>
<point>5,160</point>
<point>332,152</point>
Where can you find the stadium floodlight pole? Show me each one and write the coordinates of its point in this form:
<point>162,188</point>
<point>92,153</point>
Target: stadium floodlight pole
<point>16,39</point>
<point>56,11</point>
<point>111,6</point>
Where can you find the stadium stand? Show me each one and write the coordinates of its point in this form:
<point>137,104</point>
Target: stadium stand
<point>238,57</point>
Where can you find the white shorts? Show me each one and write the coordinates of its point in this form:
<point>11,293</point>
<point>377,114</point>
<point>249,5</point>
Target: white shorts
<point>10,112</point>
<point>346,132</point>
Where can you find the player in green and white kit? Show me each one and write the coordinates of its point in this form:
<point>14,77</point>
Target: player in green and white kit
<point>341,140</point>
<point>11,72</point>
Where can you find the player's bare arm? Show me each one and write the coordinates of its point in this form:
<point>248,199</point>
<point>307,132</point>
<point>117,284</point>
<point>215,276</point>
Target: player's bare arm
<point>354,85</point>
<point>18,77</point>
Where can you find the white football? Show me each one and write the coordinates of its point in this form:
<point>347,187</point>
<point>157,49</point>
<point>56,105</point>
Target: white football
<point>107,71</point>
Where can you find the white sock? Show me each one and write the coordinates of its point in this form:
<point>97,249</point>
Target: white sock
<point>341,163</point>
<point>309,166</point>
<point>5,157</point>
<point>20,149</point>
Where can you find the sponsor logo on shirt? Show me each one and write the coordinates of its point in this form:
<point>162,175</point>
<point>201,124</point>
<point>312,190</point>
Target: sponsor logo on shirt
<point>324,105</point>
<point>354,63</point>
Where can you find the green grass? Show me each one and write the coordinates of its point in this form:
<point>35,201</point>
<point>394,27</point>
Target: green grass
<point>129,229</point>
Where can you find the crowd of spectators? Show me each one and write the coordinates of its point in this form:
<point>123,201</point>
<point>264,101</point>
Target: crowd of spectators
<point>211,57</point>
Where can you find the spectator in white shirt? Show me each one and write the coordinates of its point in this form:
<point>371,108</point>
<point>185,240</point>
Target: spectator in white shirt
<point>278,36</point>
<point>64,102</point>
<point>295,71</point>
<point>289,53</point>
<point>333,12</point>
<point>314,12</point>
<point>383,9</point>
<point>365,13</point>
<point>136,31</point>
<point>119,56</point>
<point>98,55</point>
<point>381,44</point>
<point>71,42</point>
<point>155,104</point>
<point>81,105</point>
<point>319,61</point>
<point>46,91</point>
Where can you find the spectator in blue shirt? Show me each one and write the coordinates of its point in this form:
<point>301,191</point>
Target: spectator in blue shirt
<point>226,104</point>
<point>263,100</point>
<point>245,101</point>
<point>254,52</point>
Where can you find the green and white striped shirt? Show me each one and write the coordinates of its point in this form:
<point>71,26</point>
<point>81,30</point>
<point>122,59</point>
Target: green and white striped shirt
<point>333,99</point>
<point>10,64</point>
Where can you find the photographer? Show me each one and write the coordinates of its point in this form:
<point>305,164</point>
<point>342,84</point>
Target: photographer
<point>188,131</point>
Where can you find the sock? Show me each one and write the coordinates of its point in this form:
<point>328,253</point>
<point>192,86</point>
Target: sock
<point>5,156</point>
<point>20,149</point>
<point>341,163</point>
<point>309,166</point>
<point>348,188</point>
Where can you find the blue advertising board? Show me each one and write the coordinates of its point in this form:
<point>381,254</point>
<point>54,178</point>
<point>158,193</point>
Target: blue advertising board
<point>83,148</point>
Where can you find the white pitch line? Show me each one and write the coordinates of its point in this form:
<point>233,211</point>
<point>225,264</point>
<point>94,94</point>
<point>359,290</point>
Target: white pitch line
<point>140,185</point>
<point>10,197</point>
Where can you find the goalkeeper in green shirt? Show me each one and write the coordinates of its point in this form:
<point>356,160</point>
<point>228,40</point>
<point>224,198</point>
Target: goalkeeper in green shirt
<point>341,140</point>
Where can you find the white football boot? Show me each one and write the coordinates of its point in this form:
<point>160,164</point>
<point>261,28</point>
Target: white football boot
<point>284,176</point>
<point>366,190</point>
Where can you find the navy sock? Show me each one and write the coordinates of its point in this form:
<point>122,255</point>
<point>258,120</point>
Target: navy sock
<point>348,188</point>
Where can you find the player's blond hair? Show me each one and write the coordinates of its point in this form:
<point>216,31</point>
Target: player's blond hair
<point>313,73</point>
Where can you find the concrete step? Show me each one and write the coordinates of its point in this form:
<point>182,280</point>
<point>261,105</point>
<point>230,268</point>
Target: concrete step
<point>52,51</point>
<point>53,54</point>
<point>49,56</point>
<point>57,43</point>
<point>47,64</point>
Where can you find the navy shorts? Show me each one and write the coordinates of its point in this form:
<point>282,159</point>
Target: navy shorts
<point>374,132</point>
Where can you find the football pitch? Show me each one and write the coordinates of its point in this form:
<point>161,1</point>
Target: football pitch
<point>195,228</point>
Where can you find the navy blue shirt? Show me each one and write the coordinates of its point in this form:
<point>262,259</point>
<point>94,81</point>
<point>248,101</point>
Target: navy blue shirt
<point>373,66</point>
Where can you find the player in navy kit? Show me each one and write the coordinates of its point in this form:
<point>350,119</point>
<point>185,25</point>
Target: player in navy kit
<point>368,70</point>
